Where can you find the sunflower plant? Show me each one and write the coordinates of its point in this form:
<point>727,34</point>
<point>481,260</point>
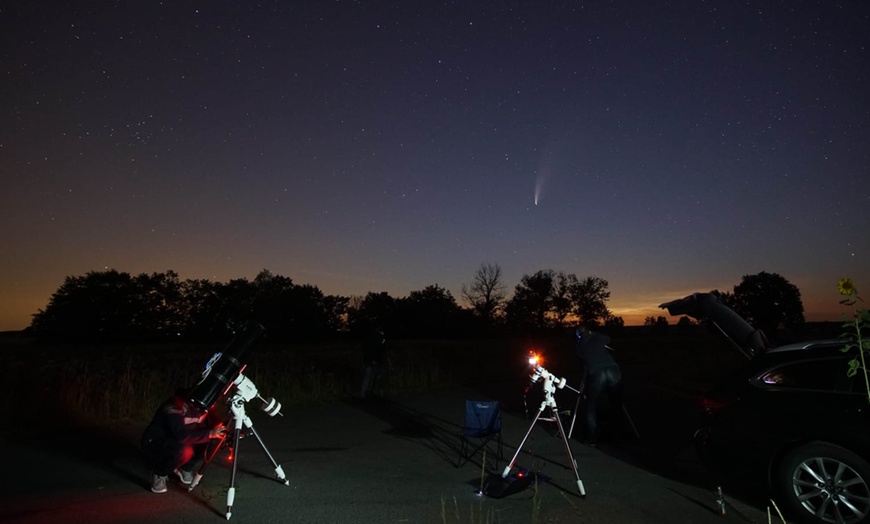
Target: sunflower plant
<point>856,326</point>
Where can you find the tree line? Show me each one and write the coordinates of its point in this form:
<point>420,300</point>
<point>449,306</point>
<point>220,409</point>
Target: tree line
<point>111,305</point>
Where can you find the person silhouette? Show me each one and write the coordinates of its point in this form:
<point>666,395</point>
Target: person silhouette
<point>375,364</point>
<point>601,375</point>
<point>176,437</point>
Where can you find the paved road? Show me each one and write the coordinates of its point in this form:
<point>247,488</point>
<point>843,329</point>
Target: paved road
<point>360,463</point>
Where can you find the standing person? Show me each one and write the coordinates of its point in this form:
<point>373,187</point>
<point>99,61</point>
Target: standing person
<point>375,363</point>
<point>601,374</point>
<point>177,435</point>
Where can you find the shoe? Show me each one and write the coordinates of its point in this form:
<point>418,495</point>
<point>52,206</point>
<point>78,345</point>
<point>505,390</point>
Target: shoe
<point>186,477</point>
<point>158,484</point>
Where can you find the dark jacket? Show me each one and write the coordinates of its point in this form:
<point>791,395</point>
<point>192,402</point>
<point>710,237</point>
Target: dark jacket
<point>375,348</point>
<point>177,420</point>
<point>592,350</point>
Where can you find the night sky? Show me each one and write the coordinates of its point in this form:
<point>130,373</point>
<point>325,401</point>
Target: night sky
<point>667,147</point>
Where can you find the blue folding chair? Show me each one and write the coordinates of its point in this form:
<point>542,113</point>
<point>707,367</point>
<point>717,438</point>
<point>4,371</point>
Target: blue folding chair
<point>482,425</point>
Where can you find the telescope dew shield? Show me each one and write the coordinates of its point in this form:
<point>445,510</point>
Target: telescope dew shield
<point>224,367</point>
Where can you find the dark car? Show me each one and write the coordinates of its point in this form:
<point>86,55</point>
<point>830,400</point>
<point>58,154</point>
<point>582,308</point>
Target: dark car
<point>790,420</point>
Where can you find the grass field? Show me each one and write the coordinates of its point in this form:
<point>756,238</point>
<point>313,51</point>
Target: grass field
<point>123,384</point>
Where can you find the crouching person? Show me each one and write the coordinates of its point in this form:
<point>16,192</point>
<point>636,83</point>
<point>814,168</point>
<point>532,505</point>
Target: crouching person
<point>177,436</point>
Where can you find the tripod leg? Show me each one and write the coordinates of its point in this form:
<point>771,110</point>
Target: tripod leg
<point>568,451</point>
<point>630,422</point>
<point>510,465</point>
<point>231,492</point>
<point>201,471</point>
<point>279,471</point>
<point>574,418</point>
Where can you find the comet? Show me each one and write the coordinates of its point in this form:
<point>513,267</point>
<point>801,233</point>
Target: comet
<point>540,178</point>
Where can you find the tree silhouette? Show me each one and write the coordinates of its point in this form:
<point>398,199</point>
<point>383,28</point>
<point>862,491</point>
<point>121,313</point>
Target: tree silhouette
<point>429,313</point>
<point>548,299</point>
<point>768,302</point>
<point>313,314</point>
<point>237,299</point>
<point>658,325</point>
<point>614,324</point>
<point>686,324</point>
<point>589,299</point>
<point>375,310</point>
<point>272,304</point>
<point>98,304</point>
<point>335,308</point>
<point>203,311</point>
<point>158,302</point>
<point>532,301</point>
<point>110,305</point>
<point>564,287</point>
<point>486,293</point>
<point>292,311</point>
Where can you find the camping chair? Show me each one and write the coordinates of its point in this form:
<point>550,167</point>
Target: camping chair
<point>483,423</point>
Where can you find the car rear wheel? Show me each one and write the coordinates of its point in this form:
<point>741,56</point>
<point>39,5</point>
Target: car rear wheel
<point>824,483</point>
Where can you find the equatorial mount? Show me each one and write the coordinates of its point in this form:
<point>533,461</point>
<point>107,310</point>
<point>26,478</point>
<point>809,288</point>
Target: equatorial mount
<point>551,384</point>
<point>243,390</point>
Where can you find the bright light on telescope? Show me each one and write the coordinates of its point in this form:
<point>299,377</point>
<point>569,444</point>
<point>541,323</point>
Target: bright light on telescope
<point>534,359</point>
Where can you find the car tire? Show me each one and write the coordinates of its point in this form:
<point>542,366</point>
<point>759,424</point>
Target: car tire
<point>821,482</point>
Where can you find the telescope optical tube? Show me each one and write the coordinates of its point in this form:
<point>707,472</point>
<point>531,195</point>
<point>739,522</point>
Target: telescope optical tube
<point>224,370</point>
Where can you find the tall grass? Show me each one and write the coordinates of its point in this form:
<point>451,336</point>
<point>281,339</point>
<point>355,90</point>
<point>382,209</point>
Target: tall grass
<point>111,385</point>
<point>125,384</point>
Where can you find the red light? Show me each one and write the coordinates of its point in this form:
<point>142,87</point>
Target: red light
<point>534,359</point>
<point>232,382</point>
<point>712,405</point>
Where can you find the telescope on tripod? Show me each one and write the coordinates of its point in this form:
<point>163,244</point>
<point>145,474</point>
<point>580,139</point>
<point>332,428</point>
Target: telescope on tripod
<point>223,377</point>
<point>550,384</point>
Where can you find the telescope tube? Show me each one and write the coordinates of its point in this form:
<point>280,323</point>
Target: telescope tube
<point>227,367</point>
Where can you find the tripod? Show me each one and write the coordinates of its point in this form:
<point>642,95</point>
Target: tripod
<point>550,385</point>
<point>245,391</point>
<point>582,392</point>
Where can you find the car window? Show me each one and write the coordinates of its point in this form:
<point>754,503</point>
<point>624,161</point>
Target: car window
<point>819,374</point>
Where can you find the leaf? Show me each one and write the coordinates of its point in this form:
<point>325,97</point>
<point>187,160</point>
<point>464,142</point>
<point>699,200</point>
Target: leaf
<point>848,301</point>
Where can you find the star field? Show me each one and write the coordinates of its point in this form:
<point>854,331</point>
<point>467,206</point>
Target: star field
<point>667,147</point>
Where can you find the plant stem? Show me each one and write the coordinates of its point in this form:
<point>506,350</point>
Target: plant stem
<point>861,352</point>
